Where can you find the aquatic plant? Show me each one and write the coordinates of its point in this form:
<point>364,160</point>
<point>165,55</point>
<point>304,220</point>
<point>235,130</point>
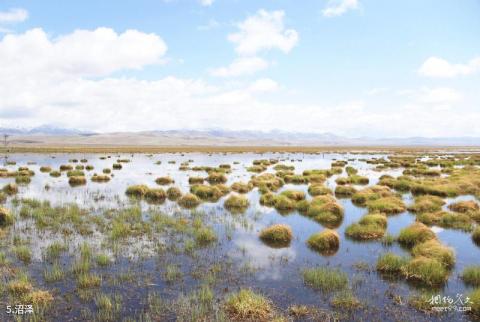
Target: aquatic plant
<point>294,195</point>
<point>370,226</point>
<point>435,250</point>
<point>325,279</point>
<point>155,195</point>
<point>100,178</point>
<point>173,193</point>
<point>137,190</point>
<point>241,187</point>
<point>189,200</point>
<point>426,203</point>
<point>77,180</point>
<point>278,235</point>
<point>163,181</point>
<point>6,217</point>
<point>246,305</point>
<point>425,270</point>
<point>326,210</point>
<point>195,180</point>
<point>391,263</point>
<point>216,178</point>
<point>318,190</point>
<point>45,169</point>
<point>326,242</point>
<point>415,234</point>
<point>471,275</point>
<point>387,205</point>
<point>344,191</point>
<point>10,189</point>
<point>55,174</point>
<point>236,203</point>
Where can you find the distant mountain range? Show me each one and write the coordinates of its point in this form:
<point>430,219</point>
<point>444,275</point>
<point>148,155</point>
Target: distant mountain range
<point>50,135</point>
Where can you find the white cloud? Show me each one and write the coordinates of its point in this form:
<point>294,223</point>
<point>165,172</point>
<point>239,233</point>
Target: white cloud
<point>82,53</point>
<point>263,31</point>
<point>241,66</point>
<point>440,95</point>
<point>206,3</point>
<point>264,85</point>
<point>13,15</point>
<point>336,8</point>
<point>439,67</point>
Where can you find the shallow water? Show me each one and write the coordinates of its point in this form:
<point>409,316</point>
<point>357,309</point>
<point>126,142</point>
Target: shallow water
<point>274,272</point>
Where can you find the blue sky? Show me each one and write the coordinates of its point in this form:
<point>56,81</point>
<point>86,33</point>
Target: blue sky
<point>350,67</point>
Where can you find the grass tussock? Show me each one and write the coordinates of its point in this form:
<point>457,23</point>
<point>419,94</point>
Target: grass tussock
<point>242,187</point>
<point>344,191</point>
<point>294,195</point>
<point>471,275</point>
<point>475,301</point>
<point>428,271</point>
<point>163,181</point>
<point>426,203</point>
<point>268,181</point>
<point>371,226</point>
<point>196,180</point>
<point>318,190</point>
<point>100,178</point>
<point>173,193</point>
<point>216,178</point>
<point>6,217</point>
<point>279,235</point>
<point>360,198</point>
<point>189,200</point>
<point>246,305</point>
<point>476,235</point>
<point>137,191</point>
<point>391,263</point>
<point>208,193</point>
<point>387,205</point>
<point>77,180</point>
<point>10,189</point>
<point>435,250</point>
<point>326,210</point>
<point>325,242</point>
<point>325,279</point>
<point>236,203</point>
<point>415,234</point>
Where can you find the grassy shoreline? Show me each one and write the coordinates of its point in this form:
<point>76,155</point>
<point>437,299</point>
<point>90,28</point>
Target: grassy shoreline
<point>226,149</point>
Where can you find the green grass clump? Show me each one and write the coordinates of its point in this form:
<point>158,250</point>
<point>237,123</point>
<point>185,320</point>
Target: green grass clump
<point>89,167</point>
<point>196,180</point>
<point>359,180</point>
<point>279,235</point>
<point>54,274</point>
<point>325,242</point>
<point>326,210</point>
<point>22,180</point>
<point>10,189</point>
<point>173,193</point>
<point>77,181</point>
<point>156,195</point>
<point>342,181</point>
<point>391,263</point>
<point>475,301</point>
<point>205,192</point>
<point>371,226</point>
<point>88,280</point>
<point>455,220</point>
<point>216,178</point>
<point>471,275</point>
<point>241,187</point>
<point>464,206</point>
<point>246,305</point>
<point>55,174</point>
<point>344,191</point>
<point>54,250</point>
<point>75,173</point>
<point>425,270</point>
<point>100,178</point>
<point>426,203</point>
<point>415,234</point>
<point>236,203</point>
<point>163,181</point>
<point>283,167</point>
<point>45,169</point>
<point>360,198</point>
<point>117,166</point>
<point>345,300</point>
<point>294,195</point>
<point>476,235</point>
<point>256,168</point>
<point>107,171</point>
<point>6,217</point>
<point>23,253</point>
<point>137,191</point>
<point>189,200</point>
<point>434,249</point>
<point>103,260</point>
<point>66,167</point>
<point>325,279</point>
<point>205,236</point>
<point>318,190</point>
<point>387,205</point>
<point>267,181</point>
<point>296,179</point>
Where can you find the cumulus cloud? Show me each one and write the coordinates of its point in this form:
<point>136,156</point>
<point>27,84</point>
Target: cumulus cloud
<point>264,85</point>
<point>441,68</point>
<point>263,31</point>
<point>13,15</point>
<point>206,3</point>
<point>241,66</point>
<point>83,53</point>
<point>337,8</point>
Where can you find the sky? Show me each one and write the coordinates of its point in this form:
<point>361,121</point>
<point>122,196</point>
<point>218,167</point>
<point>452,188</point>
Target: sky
<point>349,67</point>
